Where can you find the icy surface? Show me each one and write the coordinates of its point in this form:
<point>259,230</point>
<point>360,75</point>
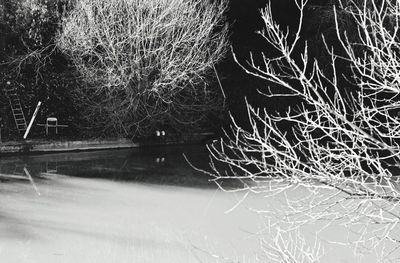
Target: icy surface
<point>94,220</point>
<point>131,206</point>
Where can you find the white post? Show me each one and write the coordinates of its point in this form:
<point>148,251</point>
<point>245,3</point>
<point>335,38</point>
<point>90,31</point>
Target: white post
<point>32,119</point>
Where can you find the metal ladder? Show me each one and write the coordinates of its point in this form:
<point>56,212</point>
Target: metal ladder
<point>16,108</point>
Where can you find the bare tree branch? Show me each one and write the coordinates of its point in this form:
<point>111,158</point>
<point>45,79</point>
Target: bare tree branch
<point>344,141</point>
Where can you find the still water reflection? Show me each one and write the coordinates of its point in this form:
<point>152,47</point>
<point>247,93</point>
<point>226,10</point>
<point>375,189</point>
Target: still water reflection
<point>157,165</point>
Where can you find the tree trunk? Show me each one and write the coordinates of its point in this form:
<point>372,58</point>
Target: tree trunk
<point>2,28</point>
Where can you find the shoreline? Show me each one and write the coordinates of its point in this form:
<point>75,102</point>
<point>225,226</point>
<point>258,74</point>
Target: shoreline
<point>49,146</point>
<point>35,146</point>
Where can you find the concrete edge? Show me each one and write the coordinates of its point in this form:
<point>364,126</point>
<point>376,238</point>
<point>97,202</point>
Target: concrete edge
<point>32,146</point>
<point>43,146</point>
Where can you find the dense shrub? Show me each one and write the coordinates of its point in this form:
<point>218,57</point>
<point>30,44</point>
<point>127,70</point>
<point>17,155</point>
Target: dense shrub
<point>146,63</point>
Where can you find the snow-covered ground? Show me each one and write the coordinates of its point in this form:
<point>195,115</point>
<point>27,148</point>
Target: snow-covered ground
<point>95,220</point>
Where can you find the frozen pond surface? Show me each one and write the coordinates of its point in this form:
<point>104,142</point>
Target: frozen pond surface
<point>126,206</point>
<point>119,206</point>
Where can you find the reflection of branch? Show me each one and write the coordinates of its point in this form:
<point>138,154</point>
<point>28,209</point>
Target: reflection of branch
<point>13,176</point>
<point>209,253</point>
<point>31,180</point>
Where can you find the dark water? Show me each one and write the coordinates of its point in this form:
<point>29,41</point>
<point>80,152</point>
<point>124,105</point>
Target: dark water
<point>156,165</point>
